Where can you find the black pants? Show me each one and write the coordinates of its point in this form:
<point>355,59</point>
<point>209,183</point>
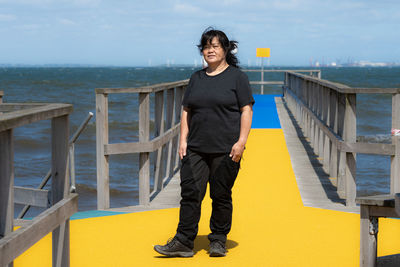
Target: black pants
<point>197,170</point>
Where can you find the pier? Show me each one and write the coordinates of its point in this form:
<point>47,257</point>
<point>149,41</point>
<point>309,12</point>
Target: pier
<point>294,199</point>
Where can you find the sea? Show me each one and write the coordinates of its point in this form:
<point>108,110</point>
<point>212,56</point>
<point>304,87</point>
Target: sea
<point>76,85</point>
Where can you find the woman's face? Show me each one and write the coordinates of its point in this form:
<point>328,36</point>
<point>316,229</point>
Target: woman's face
<point>213,52</point>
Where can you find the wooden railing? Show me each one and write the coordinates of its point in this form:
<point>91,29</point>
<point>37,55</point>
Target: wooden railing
<point>167,122</point>
<point>316,73</point>
<point>64,204</point>
<point>326,112</point>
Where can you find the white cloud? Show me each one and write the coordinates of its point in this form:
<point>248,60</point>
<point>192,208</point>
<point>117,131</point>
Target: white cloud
<point>28,27</point>
<point>7,17</point>
<point>66,21</point>
<point>285,5</point>
<point>186,8</point>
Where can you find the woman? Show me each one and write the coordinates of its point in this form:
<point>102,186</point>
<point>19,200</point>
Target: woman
<point>216,121</point>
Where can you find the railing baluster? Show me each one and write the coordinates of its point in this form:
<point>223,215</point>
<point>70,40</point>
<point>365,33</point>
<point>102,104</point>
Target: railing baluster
<point>144,157</point>
<point>159,130</point>
<point>395,160</point>
<point>169,122</point>
<point>350,134</point>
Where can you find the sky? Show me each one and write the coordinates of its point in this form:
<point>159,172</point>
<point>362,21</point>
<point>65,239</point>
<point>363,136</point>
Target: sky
<point>150,32</point>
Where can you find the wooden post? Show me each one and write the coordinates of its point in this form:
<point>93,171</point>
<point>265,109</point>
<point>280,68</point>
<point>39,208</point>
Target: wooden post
<point>60,186</point>
<point>333,115</point>
<point>178,111</point>
<point>316,111</point>
<point>368,237</point>
<point>159,129</point>
<point>144,157</point>
<point>321,116</point>
<point>350,134</point>
<point>395,160</point>
<point>326,116</point>
<point>6,183</point>
<point>103,177</point>
<point>1,97</point>
<point>168,124</point>
<point>262,76</point>
<point>342,155</point>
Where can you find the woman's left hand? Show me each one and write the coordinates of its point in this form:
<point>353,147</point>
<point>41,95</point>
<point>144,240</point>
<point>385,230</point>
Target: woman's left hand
<point>236,151</point>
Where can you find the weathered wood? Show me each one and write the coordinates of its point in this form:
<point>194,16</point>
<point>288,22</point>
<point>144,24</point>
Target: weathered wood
<point>159,130</point>
<point>144,157</point>
<point>315,186</point>
<point>383,212</point>
<point>377,200</point>
<point>333,116</point>
<point>60,186</point>
<point>397,203</point>
<point>103,176</point>
<point>368,148</point>
<point>42,184</point>
<point>267,70</point>
<point>31,196</point>
<point>168,124</point>
<point>342,155</point>
<point>345,89</point>
<point>368,238</point>
<point>1,96</point>
<point>6,183</point>
<point>179,93</point>
<point>141,147</point>
<point>264,82</point>
<point>145,89</point>
<point>19,241</point>
<point>350,134</point>
<point>18,118</point>
<point>395,159</point>
<point>316,123</point>
<point>21,222</point>
<point>10,107</point>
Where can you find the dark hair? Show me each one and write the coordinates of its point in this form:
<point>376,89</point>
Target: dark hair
<point>227,45</point>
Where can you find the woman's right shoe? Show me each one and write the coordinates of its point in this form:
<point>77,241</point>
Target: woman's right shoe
<point>174,248</point>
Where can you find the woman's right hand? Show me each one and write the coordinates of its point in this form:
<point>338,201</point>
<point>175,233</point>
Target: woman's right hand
<point>182,149</point>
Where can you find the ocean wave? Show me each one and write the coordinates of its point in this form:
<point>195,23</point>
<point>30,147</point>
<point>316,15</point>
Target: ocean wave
<point>377,138</point>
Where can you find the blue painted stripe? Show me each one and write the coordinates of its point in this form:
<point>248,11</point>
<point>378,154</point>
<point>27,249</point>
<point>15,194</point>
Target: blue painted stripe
<point>265,115</point>
<point>94,213</point>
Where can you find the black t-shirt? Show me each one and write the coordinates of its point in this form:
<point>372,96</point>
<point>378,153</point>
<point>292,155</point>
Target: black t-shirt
<point>214,103</point>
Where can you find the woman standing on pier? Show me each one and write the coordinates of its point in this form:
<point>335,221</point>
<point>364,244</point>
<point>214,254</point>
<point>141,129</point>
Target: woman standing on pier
<point>216,121</point>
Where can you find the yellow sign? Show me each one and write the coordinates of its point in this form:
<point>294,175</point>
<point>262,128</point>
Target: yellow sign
<point>263,52</point>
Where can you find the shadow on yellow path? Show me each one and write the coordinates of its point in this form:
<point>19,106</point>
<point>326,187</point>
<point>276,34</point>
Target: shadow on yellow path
<point>271,227</point>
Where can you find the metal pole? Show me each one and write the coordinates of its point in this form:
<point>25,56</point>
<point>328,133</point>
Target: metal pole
<point>262,75</point>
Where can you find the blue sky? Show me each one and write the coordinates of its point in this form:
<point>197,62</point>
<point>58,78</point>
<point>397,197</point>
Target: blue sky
<point>140,32</point>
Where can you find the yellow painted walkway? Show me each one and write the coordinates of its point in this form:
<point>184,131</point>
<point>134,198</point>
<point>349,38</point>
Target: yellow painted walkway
<point>271,227</point>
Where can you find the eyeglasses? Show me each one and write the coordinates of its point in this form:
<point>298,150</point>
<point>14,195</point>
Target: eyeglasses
<point>214,46</point>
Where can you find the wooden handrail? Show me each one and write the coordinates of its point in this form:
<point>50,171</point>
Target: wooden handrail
<point>56,218</point>
<point>167,123</point>
<point>326,111</point>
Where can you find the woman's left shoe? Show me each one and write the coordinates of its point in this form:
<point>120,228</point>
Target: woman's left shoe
<point>217,249</point>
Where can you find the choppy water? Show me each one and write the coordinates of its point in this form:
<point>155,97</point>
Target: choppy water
<point>76,86</point>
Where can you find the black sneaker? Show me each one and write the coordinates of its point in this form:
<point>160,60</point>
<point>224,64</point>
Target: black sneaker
<point>174,248</point>
<point>217,249</point>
